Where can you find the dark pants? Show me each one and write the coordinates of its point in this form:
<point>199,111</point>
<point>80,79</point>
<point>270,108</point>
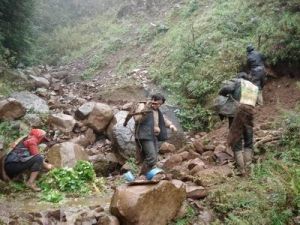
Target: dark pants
<point>148,154</point>
<point>34,164</point>
<point>247,137</point>
<point>258,76</point>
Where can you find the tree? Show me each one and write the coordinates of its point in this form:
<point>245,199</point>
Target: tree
<point>15,29</point>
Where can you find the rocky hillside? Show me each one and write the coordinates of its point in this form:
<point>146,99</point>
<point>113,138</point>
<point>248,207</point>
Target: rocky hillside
<point>95,71</point>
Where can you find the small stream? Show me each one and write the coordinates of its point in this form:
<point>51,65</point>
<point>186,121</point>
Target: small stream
<point>28,207</point>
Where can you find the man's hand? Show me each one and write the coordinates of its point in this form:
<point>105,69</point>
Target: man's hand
<point>173,128</point>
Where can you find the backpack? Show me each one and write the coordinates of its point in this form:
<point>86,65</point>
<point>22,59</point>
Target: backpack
<point>225,106</point>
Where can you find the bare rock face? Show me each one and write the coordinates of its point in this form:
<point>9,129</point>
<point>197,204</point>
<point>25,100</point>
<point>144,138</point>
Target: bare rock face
<point>147,204</point>
<point>66,154</point>
<point>40,82</point>
<point>172,161</point>
<point>11,109</point>
<point>33,120</point>
<point>61,121</point>
<point>106,219</point>
<point>104,164</point>
<point>122,138</point>
<point>198,146</point>
<point>167,148</point>
<point>83,111</point>
<point>196,192</point>
<point>31,101</point>
<point>213,175</point>
<point>85,139</point>
<point>100,117</point>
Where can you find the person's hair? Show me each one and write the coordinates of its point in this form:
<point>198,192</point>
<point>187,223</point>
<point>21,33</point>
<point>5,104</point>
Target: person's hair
<point>243,75</point>
<point>249,48</point>
<point>157,97</point>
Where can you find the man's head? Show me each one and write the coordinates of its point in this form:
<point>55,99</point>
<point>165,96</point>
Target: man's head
<point>243,75</point>
<point>250,48</point>
<point>157,100</point>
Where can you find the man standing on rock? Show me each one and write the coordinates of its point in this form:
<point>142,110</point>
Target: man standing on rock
<point>150,127</point>
<point>255,62</point>
<point>245,93</point>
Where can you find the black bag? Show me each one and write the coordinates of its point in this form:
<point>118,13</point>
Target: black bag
<point>225,106</point>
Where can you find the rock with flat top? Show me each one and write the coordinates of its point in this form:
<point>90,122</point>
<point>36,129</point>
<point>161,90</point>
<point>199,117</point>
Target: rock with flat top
<point>11,109</point>
<point>147,204</point>
<point>66,154</point>
<point>100,117</point>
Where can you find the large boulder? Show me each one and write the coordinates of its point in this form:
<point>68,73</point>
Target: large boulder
<point>85,139</point>
<point>33,120</point>
<point>100,117</point>
<point>83,111</point>
<point>66,154</point>
<point>104,164</point>
<point>61,121</point>
<point>122,138</point>
<point>107,219</point>
<point>11,109</point>
<point>147,204</point>
<point>40,82</point>
<point>31,101</point>
<point>213,175</point>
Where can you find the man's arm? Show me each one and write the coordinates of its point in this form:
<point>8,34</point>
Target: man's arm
<point>227,89</point>
<point>169,124</point>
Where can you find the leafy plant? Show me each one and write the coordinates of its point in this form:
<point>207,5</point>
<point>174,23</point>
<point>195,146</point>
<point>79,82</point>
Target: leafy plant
<point>77,180</point>
<point>52,196</point>
<point>133,165</point>
<point>195,118</point>
<point>85,170</point>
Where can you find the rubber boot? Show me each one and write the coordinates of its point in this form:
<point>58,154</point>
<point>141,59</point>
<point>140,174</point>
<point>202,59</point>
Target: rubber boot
<point>239,159</point>
<point>248,155</point>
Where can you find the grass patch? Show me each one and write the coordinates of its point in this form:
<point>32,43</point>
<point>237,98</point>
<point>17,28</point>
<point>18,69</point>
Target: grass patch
<point>188,218</point>
<point>68,42</point>
<point>206,44</point>
<point>9,132</point>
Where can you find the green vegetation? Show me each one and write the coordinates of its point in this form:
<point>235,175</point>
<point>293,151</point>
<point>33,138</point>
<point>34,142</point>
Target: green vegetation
<point>15,30</point>
<point>9,132</point>
<point>188,218</point>
<point>272,194</point>
<point>78,180</point>
<point>133,166</point>
<point>189,50</point>
<point>207,45</point>
<point>69,42</point>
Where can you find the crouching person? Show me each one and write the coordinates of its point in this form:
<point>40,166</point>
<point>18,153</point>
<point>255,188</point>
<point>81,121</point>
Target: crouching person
<point>25,156</point>
<point>245,93</point>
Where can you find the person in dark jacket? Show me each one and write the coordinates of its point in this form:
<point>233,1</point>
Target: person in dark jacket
<point>256,64</point>
<point>149,129</point>
<point>241,125</point>
<point>25,156</point>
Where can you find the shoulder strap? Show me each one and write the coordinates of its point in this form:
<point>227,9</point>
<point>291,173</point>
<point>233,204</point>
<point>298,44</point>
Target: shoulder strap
<point>16,142</point>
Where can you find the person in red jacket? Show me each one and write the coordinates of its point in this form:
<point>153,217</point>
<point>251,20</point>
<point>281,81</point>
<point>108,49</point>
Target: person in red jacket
<point>25,156</point>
